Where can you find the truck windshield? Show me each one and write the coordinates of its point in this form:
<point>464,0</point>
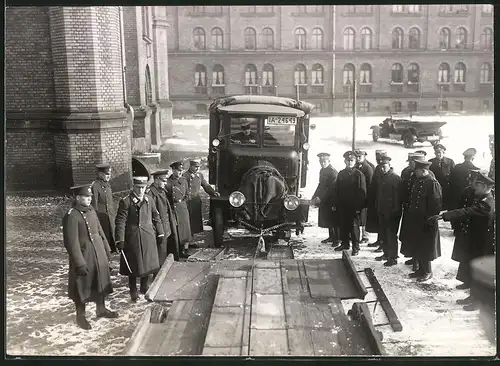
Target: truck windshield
<point>279,131</point>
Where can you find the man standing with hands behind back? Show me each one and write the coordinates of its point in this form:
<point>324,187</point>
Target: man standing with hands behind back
<point>102,201</point>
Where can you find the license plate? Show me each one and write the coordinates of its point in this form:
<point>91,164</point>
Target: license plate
<point>281,120</point>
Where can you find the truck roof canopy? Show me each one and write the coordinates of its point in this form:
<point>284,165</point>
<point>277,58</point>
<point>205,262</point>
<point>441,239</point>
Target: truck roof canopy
<point>260,100</point>
<point>262,109</point>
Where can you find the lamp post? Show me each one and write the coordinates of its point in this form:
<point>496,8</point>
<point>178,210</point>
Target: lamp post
<point>354,114</point>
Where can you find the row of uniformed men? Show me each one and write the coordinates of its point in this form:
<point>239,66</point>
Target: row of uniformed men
<point>376,198</point>
<point>150,223</point>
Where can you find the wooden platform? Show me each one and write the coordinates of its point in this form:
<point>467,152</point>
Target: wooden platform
<point>256,308</point>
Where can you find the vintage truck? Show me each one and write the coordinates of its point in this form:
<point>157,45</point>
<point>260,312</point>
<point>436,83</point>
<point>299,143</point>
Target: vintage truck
<point>408,131</point>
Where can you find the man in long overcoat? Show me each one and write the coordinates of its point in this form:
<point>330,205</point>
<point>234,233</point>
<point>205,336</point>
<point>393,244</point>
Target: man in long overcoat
<point>491,172</point>
<point>102,201</point>
<point>459,177</point>
<point>322,198</point>
<point>441,167</point>
<point>196,181</point>
<point>367,169</point>
<point>349,199</point>
<point>388,203</point>
<point>89,253</point>
<point>371,217</point>
<point>138,232</point>
<point>170,242</point>
<point>178,193</point>
<point>421,234</point>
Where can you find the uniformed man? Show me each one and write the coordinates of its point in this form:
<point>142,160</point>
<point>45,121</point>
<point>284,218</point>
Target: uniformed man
<point>349,199</point>
<point>423,152</point>
<point>388,203</point>
<point>322,198</point>
<point>475,237</point>
<point>246,135</point>
<point>441,167</point>
<point>364,166</point>
<point>196,181</point>
<point>170,242</point>
<point>178,193</point>
<point>102,201</point>
<point>372,219</point>
<point>459,177</point>
<point>422,235</point>
<point>139,230</point>
<point>491,173</point>
<point>89,254</point>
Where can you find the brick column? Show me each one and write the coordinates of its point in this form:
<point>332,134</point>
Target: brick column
<point>90,124</point>
<point>164,110</point>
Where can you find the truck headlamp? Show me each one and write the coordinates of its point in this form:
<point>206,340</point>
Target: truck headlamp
<point>237,199</point>
<point>291,202</point>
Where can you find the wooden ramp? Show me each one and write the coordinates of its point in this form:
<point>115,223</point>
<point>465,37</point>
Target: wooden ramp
<point>256,308</point>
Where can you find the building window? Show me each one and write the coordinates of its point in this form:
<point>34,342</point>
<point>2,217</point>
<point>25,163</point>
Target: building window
<point>259,9</point>
<point>300,39</point>
<point>365,74</point>
<point>361,9</point>
<point>445,39</point>
<point>198,9</point>
<point>200,75</point>
<point>487,39</point>
<point>414,39</point>
<point>459,105</point>
<point>414,73</point>
<point>444,73</point>
<point>453,9</point>
<point>207,9</point>
<point>398,8</point>
<point>317,39</point>
<point>397,39</point>
<point>318,108</point>
<point>310,9</point>
<point>250,39</point>
<point>201,108</point>
<point>460,73</point>
<point>461,38</point>
<point>486,104</point>
<point>145,20</point>
<point>300,75</point>
<point>317,74</point>
<point>349,37</point>
<point>487,9</point>
<point>413,9</point>
<point>347,106</point>
<point>250,75</point>
<point>366,38</point>
<point>218,38</point>
<point>348,74</point>
<point>268,75</point>
<point>218,75</point>
<point>397,73</point>
<point>396,106</point>
<point>485,73</point>
<point>443,105</point>
<point>268,38</point>
<point>199,38</point>
<point>364,106</point>
<point>148,87</point>
<point>412,106</point>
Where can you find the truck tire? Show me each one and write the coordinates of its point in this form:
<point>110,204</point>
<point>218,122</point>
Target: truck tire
<point>218,227</point>
<point>374,136</point>
<point>408,140</point>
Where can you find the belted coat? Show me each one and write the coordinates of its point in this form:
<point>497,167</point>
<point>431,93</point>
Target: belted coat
<point>195,182</point>
<point>327,179</point>
<point>86,244</point>
<point>368,171</point>
<point>371,214</point>
<point>102,201</point>
<point>442,171</point>
<point>350,191</point>
<point>177,192</point>
<point>459,180</point>
<point>138,225</point>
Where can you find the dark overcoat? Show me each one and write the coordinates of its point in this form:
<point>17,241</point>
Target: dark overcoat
<point>177,193</point>
<point>388,198</point>
<point>196,181</point>
<point>442,171</point>
<point>170,242</point>
<point>102,201</point>
<point>87,245</point>
<point>368,171</point>
<point>491,173</point>
<point>371,214</point>
<point>327,178</point>
<point>350,191</point>
<point>459,180</point>
<point>420,234</point>
<point>138,225</point>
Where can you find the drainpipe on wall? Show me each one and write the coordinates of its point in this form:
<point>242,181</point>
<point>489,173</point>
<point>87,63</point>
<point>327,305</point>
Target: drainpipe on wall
<point>122,49</point>
<point>333,58</point>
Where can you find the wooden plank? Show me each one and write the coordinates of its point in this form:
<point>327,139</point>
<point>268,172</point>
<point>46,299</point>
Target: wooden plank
<point>319,280</point>
<point>227,273</point>
<point>222,351</point>
<point>384,301</point>
<point>231,265</point>
<point>268,312</point>
<point>300,342</point>
<point>293,277</point>
<point>361,313</point>
<point>134,345</point>
<point>279,252</point>
<point>247,315</point>
<point>267,281</point>
<point>353,274</point>
<point>206,255</point>
<point>268,342</point>
<point>226,328</point>
<point>160,277</point>
<point>325,342</point>
<point>230,292</point>
<point>184,282</point>
<point>308,314</point>
<point>267,264</point>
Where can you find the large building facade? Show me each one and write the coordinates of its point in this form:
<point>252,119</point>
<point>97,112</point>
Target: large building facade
<point>404,58</point>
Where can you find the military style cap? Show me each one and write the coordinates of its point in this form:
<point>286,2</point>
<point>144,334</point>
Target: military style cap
<point>105,168</point>
<point>470,152</point>
<point>439,147</point>
<point>424,153</point>
<point>140,181</point>
<point>176,165</point>
<point>380,151</point>
<point>417,156</point>
<point>358,152</point>
<point>323,155</point>
<point>194,162</point>
<point>483,178</point>
<point>349,155</point>
<point>422,164</point>
<point>245,122</point>
<point>82,190</point>
<point>473,173</point>
<point>160,174</point>
<point>385,159</point>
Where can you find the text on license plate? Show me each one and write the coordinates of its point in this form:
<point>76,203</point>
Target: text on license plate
<point>281,120</point>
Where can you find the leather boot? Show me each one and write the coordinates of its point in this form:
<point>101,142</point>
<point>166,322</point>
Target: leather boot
<point>144,285</point>
<point>132,284</point>
<point>81,321</point>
